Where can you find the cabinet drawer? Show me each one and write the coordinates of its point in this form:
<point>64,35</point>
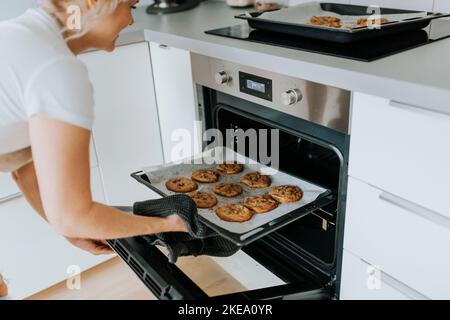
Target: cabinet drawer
<point>402,150</point>
<point>362,281</point>
<point>410,244</point>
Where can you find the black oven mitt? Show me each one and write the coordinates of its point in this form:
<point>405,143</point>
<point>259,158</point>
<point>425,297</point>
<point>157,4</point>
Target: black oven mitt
<point>200,240</point>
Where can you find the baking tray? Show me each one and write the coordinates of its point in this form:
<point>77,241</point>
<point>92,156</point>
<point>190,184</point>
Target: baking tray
<point>295,21</point>
<point>314,196</point>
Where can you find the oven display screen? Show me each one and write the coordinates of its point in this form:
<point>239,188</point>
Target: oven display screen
<point>253,85</point>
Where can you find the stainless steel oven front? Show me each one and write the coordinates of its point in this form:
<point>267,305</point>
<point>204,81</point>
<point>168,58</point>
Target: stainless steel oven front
<point>301,260</point>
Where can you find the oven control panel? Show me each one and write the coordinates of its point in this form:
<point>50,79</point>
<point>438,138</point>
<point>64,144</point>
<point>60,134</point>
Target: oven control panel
<point>325,105</point>
<point>291,97</point>
<point>255,86</point>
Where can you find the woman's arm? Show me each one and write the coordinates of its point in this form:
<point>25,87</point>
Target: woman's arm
<point>26,180</point>
<point>61,157</point>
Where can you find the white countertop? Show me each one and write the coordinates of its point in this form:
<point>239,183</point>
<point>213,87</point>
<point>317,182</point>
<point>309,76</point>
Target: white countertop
<point>420,77</point>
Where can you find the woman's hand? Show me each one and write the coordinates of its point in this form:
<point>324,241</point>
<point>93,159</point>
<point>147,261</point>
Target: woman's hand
<point>175,224</point>
<point>96,247</point>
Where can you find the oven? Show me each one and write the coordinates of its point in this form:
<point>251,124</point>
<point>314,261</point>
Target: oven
<point>302,259</point>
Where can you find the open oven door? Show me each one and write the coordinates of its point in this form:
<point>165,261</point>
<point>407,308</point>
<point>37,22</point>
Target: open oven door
<point>174,282</point>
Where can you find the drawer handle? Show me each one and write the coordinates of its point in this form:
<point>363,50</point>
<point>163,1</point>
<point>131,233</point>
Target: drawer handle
<point>411,107</point>
<point>163,46</point>
<point>398,285</point>
<point>11,197</point>
<point>416,209</point>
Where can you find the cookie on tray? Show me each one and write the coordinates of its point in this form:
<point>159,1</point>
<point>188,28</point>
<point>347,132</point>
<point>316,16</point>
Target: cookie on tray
<point>203,200</point>
<point>234,212</point>
<point>228,190</point>
<point>261,203</point>
<point>230,167</point>
<point>205,176</point>
<point>364,22</point>
<point>256,180</point>
<point>325,21</point>
<point>181,185</point>
<point>286,194</point>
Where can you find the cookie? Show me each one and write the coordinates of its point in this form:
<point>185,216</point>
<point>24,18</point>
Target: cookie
<point>203,200</point>
<point>261,203</point>
<point>363,22</point>
<point>325,21</point>
<point>228,190</point>
<point>267,6</point>
<point>286,194</point>
<point>234,212</point>
<point>181,185</point>
<point>230,167</point>
<point>205,176</point>
<point>256,180</point>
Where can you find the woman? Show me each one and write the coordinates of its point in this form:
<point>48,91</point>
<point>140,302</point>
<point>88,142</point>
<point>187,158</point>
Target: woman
<point>46,115</point>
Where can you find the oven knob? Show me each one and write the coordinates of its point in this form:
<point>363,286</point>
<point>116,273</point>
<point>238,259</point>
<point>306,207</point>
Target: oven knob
<point>222,77</point>
<point>291,97</point>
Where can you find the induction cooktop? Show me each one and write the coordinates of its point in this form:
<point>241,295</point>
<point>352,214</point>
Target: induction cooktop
<point>367,51</point>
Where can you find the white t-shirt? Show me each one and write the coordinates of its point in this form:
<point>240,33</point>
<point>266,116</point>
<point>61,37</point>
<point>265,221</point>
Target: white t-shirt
<point>39,75</point>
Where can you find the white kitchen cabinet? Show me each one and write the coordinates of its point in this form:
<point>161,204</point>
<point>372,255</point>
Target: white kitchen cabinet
<point>362,281</point>
<point>93,162</point>
<point>126,131</point>
<point>98,194</point>
<point>406,241</point>
<point>442,6</point>
<point>33,256</point>
<point>402,150</point>
<point>8,187</point>
<point>176,102</point>
<point>420,5</point>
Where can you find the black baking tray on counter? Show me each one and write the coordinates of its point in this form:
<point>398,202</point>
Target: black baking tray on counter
<point>323,200</point>
<point>342,35</point>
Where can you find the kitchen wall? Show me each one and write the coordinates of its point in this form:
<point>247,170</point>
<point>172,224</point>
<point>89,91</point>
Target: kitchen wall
<point>402,4</point>
<point>12,8</point>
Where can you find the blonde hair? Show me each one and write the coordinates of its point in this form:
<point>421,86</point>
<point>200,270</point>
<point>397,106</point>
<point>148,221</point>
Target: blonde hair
<point>58,8</point>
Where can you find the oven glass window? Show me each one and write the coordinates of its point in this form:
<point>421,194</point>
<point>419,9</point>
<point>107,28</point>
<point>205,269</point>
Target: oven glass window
<point>306,160</point>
